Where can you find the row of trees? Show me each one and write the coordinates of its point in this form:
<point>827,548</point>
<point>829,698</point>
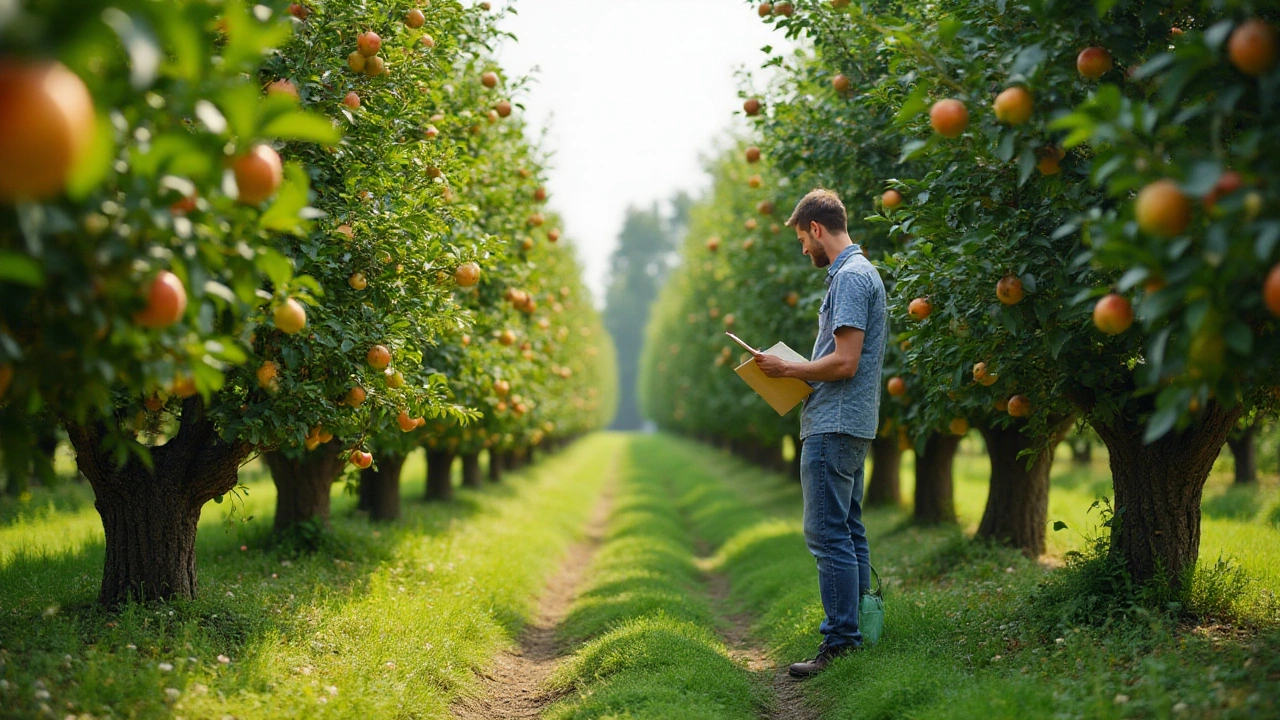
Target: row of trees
<point>314,233</point>
<point>1075,209</point>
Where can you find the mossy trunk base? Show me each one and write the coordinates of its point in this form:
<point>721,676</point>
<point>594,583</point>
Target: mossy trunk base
<point>935,487</point>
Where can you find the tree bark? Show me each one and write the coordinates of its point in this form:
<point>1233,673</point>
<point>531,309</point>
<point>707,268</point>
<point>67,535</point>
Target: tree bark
<point>439,475</point>
<point>495,466</point>
<point>1156,532</point>
<point>303,483</point>
<point>1018,499</point>
<point>885,486</point>
<point>381,485</point>
<point>471,470</point>
<point>1244,452</point>
<point>150,515</point>
<point>510,462</point>
<point>935,488</point>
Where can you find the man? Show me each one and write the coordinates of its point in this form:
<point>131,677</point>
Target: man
<point>839,418</point>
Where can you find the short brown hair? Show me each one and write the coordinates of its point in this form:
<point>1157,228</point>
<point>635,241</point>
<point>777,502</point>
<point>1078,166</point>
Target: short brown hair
<point>822,206</point>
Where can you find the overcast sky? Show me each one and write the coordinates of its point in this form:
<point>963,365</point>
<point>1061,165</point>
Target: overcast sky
<point>632,92</point>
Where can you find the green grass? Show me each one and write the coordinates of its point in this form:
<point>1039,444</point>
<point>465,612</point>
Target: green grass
<point>958,642</point>
<point>392,624</point>
<point>651,648</point>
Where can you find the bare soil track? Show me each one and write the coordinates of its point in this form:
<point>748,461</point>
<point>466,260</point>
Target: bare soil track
<point>514,684</point>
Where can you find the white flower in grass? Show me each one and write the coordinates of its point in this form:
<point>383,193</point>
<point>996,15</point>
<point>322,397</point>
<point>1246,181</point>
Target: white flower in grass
<point>42,695</point>
<point>224,659</point>
<point>331,689</point>
<point>172,694</point>
<point>1122,699</point>
<point>165,667</point>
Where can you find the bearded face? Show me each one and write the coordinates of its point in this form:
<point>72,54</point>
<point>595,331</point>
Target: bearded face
<point>813,249</point>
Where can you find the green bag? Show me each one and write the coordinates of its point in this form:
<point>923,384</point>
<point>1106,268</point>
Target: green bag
<point>871,612</point>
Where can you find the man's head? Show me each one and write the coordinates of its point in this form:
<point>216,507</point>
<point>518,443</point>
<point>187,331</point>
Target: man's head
<point>821,225</point>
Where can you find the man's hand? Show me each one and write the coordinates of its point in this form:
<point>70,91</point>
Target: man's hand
<point>772,365</point>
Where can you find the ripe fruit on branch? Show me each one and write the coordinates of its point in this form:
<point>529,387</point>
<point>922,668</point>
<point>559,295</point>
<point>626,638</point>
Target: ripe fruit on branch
<point>784,8</point>
<point>352,100</point>
<point>378,357</point>
<point>290,317</point>
<point>1013,106</point>
<point>415,18</point>
<point>489,79</point>
<point>764,207</point>
<point>553,235</point>
<point>840,83</point>
<point>166,302</point>
<point>1019,406</point>
<point>1252,47</point>
<point>46,124</point>
<point>1162,209</point>
<point>355,397</point>
<point>506,337</point>
<point>1228,182</point>
<point>258,173</point>
<point>982,376</point>
<point>765,9</point>
<point>536,220</point>
<point>753,154</point>
<point>406,423</point>
<point>958,426</point>
<point>755,181</point>
<point>750,224</point>
<point>356,62</point>
<point>891,199</point>
<point>395,379</point>
<point>1094,62</point>
<point>919,309</point>
<point>751,107</point>
<point>792,299</point>
<point>503,108</point>
<point>268,375</point>
<point>300,11</point>
<point>896,386</point>
<point>540,194</point>
<point>1009,290</point>
<point>283,87</point>
<point>431,132</point>
<point>361,459</point>
<point>1271,291</point>
<point>501,388</point>
<point>1048,160</point>
<point>949,117</point>
<point>713,243</point>
<point>1113,314</point>
<point>368,44</point>
<point>467,274</point>
<point>357,281</point>
<point>374,66</point>
<point>428,41</point>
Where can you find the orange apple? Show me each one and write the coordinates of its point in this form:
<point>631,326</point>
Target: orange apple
<point>378,357</point>
<point>949,117</point>
<point>258,174</point>
<point>46,124</point>
<point>290,317</point>
<point>1162,209</point>
<point>368,43</point>
<point>166,302</point>
<point>1252,47</point>
<point>896,386</point>
<point>1009,290</point>
<point>1013,106</point>
<point>1094,62</point>
<point>919,309</point>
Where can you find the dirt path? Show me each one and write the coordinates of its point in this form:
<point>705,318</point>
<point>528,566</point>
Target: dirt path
<point>514,683</point>
<point>788,700</point>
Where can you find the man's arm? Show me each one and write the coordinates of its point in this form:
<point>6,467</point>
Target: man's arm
<point>841,364</point>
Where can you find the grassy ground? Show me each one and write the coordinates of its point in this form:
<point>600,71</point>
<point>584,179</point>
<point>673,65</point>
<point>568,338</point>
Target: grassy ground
<point>651,648</point>
<point>961,640</point>
<point>395,617</point>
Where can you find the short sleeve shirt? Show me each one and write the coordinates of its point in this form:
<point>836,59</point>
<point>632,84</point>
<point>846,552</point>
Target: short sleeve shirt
<point>855,298</point>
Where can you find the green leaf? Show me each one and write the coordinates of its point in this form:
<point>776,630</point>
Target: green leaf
<point>303,127</point>
<point>285,213</point>
<point>1059,525</point>
<point>913,105</point>
<point>277,267</point>
<point>96,163</point>
<point>21,269</point>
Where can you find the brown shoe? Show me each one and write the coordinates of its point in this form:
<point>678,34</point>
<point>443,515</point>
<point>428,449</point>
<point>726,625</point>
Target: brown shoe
<point>826,655</point>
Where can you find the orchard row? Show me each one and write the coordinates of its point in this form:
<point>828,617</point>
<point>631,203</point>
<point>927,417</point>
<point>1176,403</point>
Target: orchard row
<point>1076,210</point>
<point>315,234</point>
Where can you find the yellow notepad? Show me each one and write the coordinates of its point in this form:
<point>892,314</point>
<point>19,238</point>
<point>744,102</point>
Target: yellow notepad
<point>782,394</point>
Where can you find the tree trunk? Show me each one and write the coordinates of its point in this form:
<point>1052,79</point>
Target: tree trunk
<point>1156,533</point>
<point>439,475</point>
<point>510,462</point>
<point>382,485</point>
<point>303,483</point>
<point>885,486</point>
<point>1018,499</point>
<point>495,466</point>
<point>935,491</point>
<point>471,470</point>
<point>150,515</point>
<point>1244,451</point>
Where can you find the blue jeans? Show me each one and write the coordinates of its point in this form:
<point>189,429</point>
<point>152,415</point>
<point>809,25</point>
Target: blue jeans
<point>831,472</point>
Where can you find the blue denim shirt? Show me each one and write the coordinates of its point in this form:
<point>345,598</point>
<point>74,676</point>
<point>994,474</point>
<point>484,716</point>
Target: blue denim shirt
<point>855,298</point>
